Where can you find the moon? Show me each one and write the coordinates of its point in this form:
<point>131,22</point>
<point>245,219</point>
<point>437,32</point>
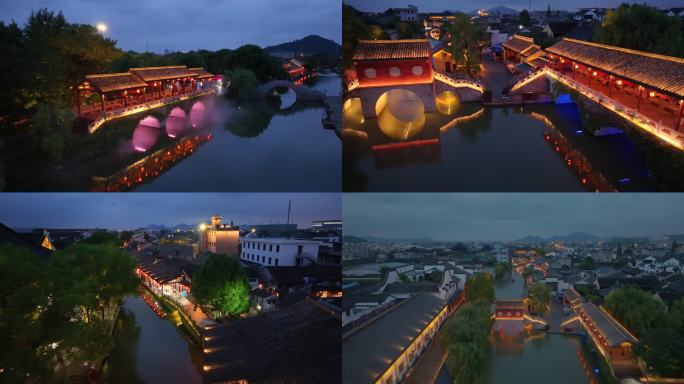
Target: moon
<point>101,27</point>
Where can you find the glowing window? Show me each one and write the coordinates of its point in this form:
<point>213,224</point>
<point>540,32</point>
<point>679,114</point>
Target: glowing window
<point>417,70</point>
<point>394,71</point>
<point>370,73</point>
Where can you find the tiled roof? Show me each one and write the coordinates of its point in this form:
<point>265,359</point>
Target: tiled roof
<point>162,73</point>
<point>664,73</point>
<point>115,81</point>
<point>609,328</point>
<point>296,344</point>
<point>519,43</point>
<point>392,50</point>
<point>201,73</point>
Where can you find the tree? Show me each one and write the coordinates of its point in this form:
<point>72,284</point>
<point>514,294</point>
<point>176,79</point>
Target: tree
<point>376,33</point>
<point>539,295</point>
<point>642,27</point>
<point>242,83</point>
<point>3,183</point>
<point>466,337</point>
<point>637,310</point>
<point>353,30</point>
<point>466,42</point>
<point>53,121</point>
<point>524,18</point>
<point>103,238</point>
<point>587,263</point>
<point>500,270</point>
<point>661,346</point>
<point>480,288</point>
<point>221,283</point>
<point>407,30</point>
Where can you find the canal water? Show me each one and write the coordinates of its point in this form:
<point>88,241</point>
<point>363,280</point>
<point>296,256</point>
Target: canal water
<point>257,146</point>
<point>488,149</point>
<point>538,357</point>
<point>150,349</point>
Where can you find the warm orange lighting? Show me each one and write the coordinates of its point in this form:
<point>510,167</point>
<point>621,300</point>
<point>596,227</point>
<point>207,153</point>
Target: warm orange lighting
<point>619,82</point>
<point>594,73</point>
<point>651,94</point>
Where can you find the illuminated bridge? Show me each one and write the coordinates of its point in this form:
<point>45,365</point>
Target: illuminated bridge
<point>512,317</point>
<point>398,75</point>
<point>645,89</point>
<point>612,340</point>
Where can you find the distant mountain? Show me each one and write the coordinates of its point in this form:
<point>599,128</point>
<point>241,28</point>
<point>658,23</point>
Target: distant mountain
<point>161,227</point>
<point>353,239</point>
<point>500,10</point>
<point>576,236</point>
<point>310,45</point>
<point>422,240</point>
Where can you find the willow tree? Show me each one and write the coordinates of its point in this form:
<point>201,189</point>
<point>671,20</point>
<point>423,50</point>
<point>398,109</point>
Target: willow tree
<point>642,27</point>
<point>467,339</point>
<point>467,40</point>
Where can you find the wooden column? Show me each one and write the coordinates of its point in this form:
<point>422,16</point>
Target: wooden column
<point>641,90</point>
<point>102,97</point>
<point>610,86</point>
<point>679,119</point>
<point>125,97</point>
<point>78,102</point>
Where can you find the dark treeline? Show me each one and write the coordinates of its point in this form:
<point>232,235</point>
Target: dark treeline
<point>45,59</point>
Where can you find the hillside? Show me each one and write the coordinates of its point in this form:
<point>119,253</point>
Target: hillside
<point>309,45</point>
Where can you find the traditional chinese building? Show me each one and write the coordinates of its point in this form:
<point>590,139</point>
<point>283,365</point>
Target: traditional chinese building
<point>651,84</point>
<point>519,48</point>
<point>139,86</point>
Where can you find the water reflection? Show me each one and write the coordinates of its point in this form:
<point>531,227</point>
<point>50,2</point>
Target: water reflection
<point>401,114</point>
<point>281,97</point>
<point>447,102</point>
<point>248,121</point>
<point>175,122</point>
<point>198,115</point>
<point>121,364</point>
<point>146,134</point>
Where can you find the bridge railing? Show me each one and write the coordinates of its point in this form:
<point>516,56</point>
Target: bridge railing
<point>473,84</point>
<point>352,85</point>
<point>114,114</point>
<point>528,78</point>
<point>658,129</point>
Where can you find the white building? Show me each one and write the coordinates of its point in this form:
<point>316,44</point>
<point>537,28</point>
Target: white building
<point>409,13</point>
<point>501,255</point>
<point>279,251</point>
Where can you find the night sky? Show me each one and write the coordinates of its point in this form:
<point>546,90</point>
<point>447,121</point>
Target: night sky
<point>482,216</point>
<point>467,6</point>
<point>133,210</point>
<point>193,24</point>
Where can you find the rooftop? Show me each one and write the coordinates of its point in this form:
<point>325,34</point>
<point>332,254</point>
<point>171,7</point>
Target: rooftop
<point>368,50</point>
<point>519,43</point>
<point>367,353</point>
<point>296,344</point>
<point>665,73</point>
<point>609,328</point>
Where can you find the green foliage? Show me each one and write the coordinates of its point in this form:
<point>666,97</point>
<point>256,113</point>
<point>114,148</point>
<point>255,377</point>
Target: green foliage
<point>524,18</point>
<point>466,42</point>
<point>642,27</point>
<point>103,238</point>
<point>54,146</point>
<point>588,263</point>
<point>353,30</point>
<point>466,337</point>
<point>407,30</point>
<point>57,311</point>
<point>637,310</point>
<point>480,288</point>
<point>242,83</point>
<point>53,122</point>
<point>661,348</point>
<point>500,270</point>
<point>539,295</point>
<point>376,33</point>
<point>221,282</point>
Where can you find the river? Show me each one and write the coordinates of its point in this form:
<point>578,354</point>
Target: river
<point>539,357</point>
<point>489,149</point>
<point>149,349</point>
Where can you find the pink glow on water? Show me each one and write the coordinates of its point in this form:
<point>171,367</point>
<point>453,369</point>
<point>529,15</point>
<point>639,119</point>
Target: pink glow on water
<point>175,123</point>
<point>197,114</point>
<point>146,134</point>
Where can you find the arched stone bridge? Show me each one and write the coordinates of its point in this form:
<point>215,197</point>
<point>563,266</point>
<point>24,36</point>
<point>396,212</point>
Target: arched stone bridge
<point>467,90</point>
<point>303,93</point>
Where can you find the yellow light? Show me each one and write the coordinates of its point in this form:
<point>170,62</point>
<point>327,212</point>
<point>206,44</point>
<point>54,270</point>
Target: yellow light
<point>651,94</point>
<point>619,82</point>
<point>101,27</point>
<point>202,227</point>
<point>594,73</point>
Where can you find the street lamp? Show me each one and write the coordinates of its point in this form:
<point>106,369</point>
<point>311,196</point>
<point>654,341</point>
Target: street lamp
<point>202,227</point>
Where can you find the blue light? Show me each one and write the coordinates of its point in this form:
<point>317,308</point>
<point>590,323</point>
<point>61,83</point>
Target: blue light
<point>624,181</point>
<point>596,370</point>
<point>579,132</point>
